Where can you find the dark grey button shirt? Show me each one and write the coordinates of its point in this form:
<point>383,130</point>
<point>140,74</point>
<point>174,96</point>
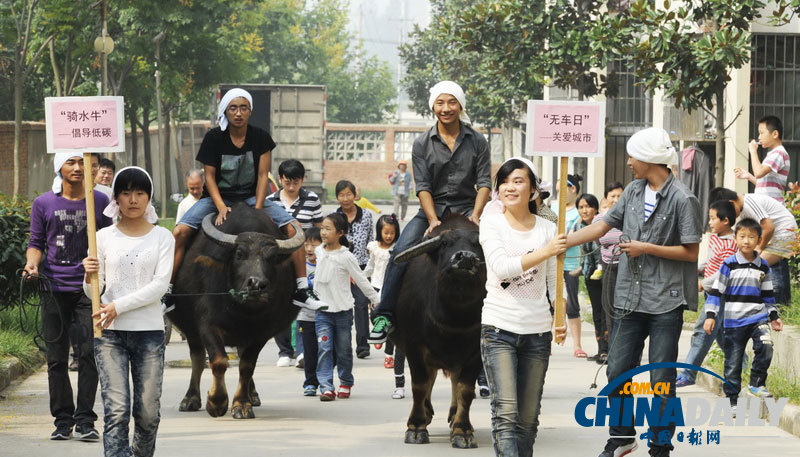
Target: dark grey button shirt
<point>452,178</point>
<point>662,284</point>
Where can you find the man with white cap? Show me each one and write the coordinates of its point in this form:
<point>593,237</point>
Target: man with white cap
<point>452,174</point>
<point>657,278</point>
<point>236,160</point>
<point>59,243</point>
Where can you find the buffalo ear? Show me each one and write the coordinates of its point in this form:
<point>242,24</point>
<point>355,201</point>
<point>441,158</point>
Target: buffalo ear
<point>207,262</point>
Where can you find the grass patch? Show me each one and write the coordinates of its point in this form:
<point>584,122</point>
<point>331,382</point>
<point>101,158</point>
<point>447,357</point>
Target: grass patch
<point>167,222</point>
<point>16,335</point>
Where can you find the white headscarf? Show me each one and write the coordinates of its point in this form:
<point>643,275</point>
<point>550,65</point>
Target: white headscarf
<point>112,210</point>
<point>222,120</point>
<point>451,88</point>
<point>652,145</point>
<point>58,161</point>
<point>495,206</point>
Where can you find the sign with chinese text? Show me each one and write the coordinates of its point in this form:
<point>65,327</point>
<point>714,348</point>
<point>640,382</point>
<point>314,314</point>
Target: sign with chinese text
<point>565,128</point>
<point>85,124</point>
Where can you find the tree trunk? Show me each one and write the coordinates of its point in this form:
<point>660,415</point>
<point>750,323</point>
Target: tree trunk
<point>18,82</point>
<point>176,148</point>
<point>148,163</point>
<point>166,157</point>
<point>56,76</point>
<point>134,136</point>
<point>720,138</point>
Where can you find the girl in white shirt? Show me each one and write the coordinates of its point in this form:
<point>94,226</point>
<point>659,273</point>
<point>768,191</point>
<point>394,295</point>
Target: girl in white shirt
<point>134,264</point>
<point>520,249</point>
<point>335,266</point>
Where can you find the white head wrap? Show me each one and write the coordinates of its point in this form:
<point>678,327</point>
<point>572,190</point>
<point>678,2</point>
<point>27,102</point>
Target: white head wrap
<point>652,145</point>
<point>226,100</point>
<point>451,88</point>
<point>495,206</point>
<point>112,210</point>
<point>58,161</point>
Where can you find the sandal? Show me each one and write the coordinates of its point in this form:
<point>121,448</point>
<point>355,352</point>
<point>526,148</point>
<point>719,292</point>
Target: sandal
<point>579,353</point>
<point>344,391</point>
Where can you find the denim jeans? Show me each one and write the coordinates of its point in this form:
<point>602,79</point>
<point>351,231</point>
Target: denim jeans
<point>701,342</point>
<point>735,341</point>
<point>781,285</point>
<point>140,355</point>
<point>393,277</point>
<point>67,318</point>
<point>625,352</point>
<point>515,366</point>
<point>334,340</point>
<point>205,206</point>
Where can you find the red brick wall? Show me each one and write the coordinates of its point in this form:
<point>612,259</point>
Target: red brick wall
<point>367,176</point>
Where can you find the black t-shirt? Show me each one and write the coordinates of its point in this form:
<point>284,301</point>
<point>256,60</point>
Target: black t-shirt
<point>237,168</point>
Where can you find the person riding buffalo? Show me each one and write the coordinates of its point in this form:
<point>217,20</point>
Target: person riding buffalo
<point>236,160</point>
<point>452,174</point>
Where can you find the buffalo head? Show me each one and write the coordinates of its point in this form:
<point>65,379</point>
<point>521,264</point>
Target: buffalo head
<point>456,252</point>
<point>253,257</point>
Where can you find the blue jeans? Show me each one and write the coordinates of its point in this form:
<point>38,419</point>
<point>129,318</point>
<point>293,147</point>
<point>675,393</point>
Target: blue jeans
<point>515,366</point>
<point>701,342</point>
<point>781,285</point>
<point>194,217</point>
<point>334,337</point>
<point>625,352</point>
<point>735,341</point>
<point>139,354</point>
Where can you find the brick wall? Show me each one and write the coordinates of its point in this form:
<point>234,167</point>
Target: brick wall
<point>7,155</point>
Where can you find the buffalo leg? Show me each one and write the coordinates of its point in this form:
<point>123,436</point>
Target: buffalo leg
<point>217,400</point>
<point>461,432</point>
<point>241,407</point>
<point>255,399</point>
<point>191,401</point>
<point>422,379</point>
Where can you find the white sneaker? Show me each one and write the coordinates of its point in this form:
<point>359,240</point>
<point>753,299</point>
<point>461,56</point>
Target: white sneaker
<point>299,359</point>
<point>399,393</point>
<point>285,362</point>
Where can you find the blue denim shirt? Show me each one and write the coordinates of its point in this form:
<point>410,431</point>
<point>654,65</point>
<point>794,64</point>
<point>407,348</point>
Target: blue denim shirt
<point>662,284</point>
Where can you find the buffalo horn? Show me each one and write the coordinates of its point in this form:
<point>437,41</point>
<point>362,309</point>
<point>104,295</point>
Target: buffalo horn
<point>290,245</point>
<point>216,234</point>
<point>421,248</point>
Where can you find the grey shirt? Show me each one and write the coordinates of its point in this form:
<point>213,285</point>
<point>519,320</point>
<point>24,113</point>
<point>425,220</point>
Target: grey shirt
<point>662,284</point>
<point>452,178</point>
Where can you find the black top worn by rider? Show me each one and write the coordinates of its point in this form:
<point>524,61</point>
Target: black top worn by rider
<point>237,168</point>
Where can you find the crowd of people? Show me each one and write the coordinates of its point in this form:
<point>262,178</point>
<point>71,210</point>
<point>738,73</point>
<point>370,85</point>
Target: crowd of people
<point>637,249</point>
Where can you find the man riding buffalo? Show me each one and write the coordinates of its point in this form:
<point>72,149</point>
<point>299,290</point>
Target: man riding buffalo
<point>236,161</point>
<point>452,173</point>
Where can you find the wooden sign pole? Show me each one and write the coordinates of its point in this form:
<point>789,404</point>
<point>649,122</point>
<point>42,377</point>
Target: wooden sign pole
<point>91,232</point>
<point>560,308</point>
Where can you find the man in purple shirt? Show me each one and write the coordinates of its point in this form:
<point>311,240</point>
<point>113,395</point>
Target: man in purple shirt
<point>59,243</point>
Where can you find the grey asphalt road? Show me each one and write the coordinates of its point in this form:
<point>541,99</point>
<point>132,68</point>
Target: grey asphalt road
<point>369,424</point>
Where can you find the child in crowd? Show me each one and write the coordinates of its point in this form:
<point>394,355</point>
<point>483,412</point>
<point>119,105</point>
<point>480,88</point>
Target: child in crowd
<point>745,285</point>
<point>134,265</point>
<point>386,231</point>
<point>588,208</point>
<point>770,175</point>
<point>721,245</point>
<point>305,319</point>
<point>335,266</point>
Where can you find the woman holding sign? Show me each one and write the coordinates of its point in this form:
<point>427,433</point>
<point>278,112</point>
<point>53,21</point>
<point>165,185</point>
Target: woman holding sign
<point>516,323</point>
<point>134,264</point>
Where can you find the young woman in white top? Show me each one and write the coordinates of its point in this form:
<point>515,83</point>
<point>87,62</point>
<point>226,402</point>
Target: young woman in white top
<point>516,324</point>
<point>335,266</point>
<point>134,265</point>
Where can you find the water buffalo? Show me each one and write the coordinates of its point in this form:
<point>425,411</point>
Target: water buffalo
<point>438,317</point>
<point>246,253</point>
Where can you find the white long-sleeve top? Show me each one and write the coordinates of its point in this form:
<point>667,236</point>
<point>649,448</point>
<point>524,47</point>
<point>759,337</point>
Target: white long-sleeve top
<point>378,261</point>
<point>332,279</point>
<point>134,274</point>
<point>516,300</point>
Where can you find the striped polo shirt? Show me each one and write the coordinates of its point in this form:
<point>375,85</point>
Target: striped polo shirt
<point>719,249</point>
<point>746,288</point>
<point>773,184</point>
<point>307,209</point>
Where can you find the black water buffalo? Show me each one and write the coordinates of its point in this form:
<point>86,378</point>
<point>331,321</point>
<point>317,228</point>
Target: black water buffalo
<point>438,317</point>
<point>247,253</point>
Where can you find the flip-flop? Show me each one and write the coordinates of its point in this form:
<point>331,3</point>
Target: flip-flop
<point>579,353</point>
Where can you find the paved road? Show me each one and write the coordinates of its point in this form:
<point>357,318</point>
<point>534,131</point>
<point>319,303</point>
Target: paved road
<point>369,424</point>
